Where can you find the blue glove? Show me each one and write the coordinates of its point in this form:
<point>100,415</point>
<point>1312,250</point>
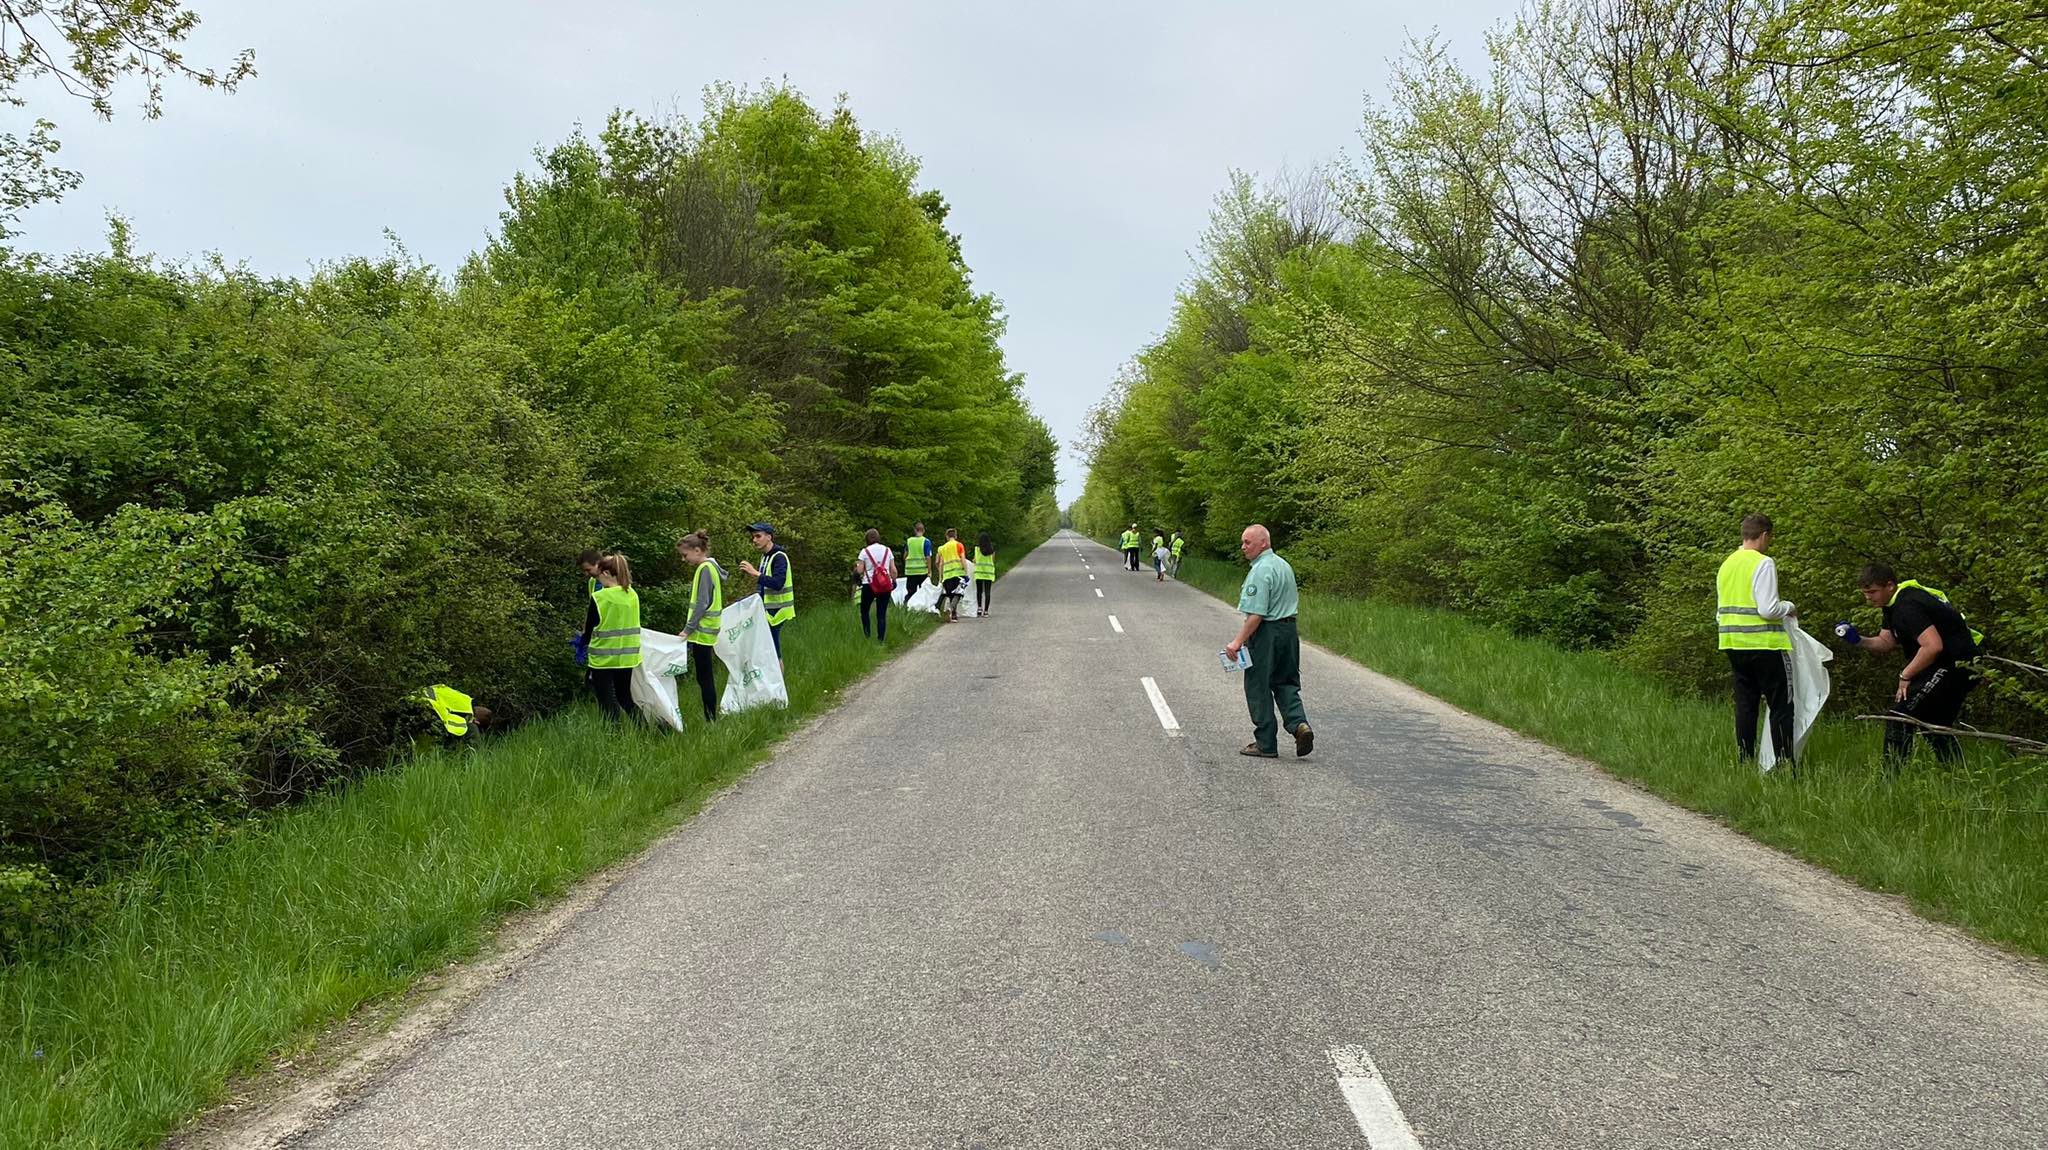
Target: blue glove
<point>1847,633</point>
<point>582,647</point>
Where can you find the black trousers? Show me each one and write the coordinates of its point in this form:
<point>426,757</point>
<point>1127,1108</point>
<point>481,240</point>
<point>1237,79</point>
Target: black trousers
<point>613,687</point>
<point>881,605</point>
<point>702,660</point>
<point>913,583</point>
<point>1935,697</point>
<point>1130,558</point>
<point>981,587</point>
<point>1762,676</point>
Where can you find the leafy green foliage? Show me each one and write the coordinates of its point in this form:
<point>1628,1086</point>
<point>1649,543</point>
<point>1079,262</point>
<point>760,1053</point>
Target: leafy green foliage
<point>1672,262</point>
<point>246,519</point>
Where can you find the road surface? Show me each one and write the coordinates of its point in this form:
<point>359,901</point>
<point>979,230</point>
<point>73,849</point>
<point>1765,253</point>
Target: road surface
<point>995,901</point>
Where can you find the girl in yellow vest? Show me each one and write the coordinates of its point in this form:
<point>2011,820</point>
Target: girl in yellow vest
<point>952,560</point>
<point>611,634</point>
<point>707,606</point>
<point>984,572</point>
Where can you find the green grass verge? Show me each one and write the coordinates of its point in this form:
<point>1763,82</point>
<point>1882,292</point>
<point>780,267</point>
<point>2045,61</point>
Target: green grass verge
<point>1963,845</point>
<point>232,954</point>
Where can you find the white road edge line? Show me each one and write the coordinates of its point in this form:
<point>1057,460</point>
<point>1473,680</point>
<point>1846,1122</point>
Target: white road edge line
<point>1115,626</point>
<point>1372,1104</point>
<point>1166,718</point>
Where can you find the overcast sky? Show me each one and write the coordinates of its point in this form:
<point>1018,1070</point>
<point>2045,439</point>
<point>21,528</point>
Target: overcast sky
<point>1079,146</point>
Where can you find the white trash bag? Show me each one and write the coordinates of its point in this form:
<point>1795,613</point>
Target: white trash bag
<point>926,599</point>
<point>662,657</point>
<point>967,608</point>
<point>1809,690</point>
<point>754,674</point>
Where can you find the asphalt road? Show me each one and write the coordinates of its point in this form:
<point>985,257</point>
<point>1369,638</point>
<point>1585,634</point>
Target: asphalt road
<point>993,902</point>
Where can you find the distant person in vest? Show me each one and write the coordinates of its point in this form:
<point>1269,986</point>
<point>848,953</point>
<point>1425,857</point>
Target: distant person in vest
<point>952,560</point>
<point>1131,545</point>
<point>1176,546</point>
<point>772,581</point>
<point>707,607</point>
<point>984,571</point>
<point>1939,647</point>
<point>611,635</point>
<point>1752,627</point>
<point>917,560</point>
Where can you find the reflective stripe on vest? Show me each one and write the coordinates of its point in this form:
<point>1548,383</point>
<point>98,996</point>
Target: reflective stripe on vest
<point>1742,626</point>
<point>615,643</point>
<point>451,706</point>
<point>913,556</point>
<point>984,566</point>
<point>705,633</point>
<point>781,605</point>
<point>1976,636</point>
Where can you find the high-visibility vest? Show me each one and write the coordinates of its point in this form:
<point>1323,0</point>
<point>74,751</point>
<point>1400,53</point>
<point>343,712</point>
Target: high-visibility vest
<point>705,633</point>
<point>913,556</point>
<point>1976,636</point>
<point>984,566</point>
<point>1157,543</point>
<point>616,641</point>
<point>1742,629</point>
<point>781,604</point>
<point>1178,543</point>
<point>1130,540</point>
<point>451,706</point>
<point>952,559</point>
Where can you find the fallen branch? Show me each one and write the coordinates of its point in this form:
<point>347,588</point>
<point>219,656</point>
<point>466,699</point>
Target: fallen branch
<point>2026,746</point>
<point>2015,663</point>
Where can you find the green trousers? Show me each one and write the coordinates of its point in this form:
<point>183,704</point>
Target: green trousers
<point>1274,677</point>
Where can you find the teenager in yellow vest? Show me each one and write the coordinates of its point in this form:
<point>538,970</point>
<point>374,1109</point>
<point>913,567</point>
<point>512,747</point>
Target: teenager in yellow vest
<point>952,560</point>
<point>707,607</point>
<point>984,572</point>
<point>612,637</point>
<point>1751,620</point>
<point>773,580</point>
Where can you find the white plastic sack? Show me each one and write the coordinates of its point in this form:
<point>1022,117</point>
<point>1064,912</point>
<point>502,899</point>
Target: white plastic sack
<point>967,607</point>
<point>897,593</point>
<point>754,675</point>
<point>662,657</point>
<point>926,599</point>
<point>1810,687</point>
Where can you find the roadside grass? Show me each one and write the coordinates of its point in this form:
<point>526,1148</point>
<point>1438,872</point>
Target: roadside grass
<point>1968,846</point>
<point>231,955</point>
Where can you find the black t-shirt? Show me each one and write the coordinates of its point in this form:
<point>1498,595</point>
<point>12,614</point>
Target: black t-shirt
<point>1914,611</point>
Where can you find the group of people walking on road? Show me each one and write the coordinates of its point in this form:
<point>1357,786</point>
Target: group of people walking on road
<point>1165,552</point>
<point>1755,627</point>
<point>876,571</point>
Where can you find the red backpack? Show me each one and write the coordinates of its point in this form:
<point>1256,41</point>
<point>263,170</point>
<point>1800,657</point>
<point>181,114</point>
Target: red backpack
<point>879,579</point>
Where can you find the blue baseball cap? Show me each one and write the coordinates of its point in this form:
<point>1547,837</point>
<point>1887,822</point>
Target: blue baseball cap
<point>764,528</point>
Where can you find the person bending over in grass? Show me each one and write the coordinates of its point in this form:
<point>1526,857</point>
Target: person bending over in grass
<point>1941,653</point>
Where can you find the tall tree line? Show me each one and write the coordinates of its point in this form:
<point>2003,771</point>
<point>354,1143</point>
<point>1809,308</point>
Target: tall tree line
<point>243,518</point>
<point>1536,349</point>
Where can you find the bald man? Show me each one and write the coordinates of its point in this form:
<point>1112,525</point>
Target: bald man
<point>1270,602</point>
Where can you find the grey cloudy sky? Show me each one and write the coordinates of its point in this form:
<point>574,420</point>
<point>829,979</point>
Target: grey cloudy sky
<point>1080,145</point>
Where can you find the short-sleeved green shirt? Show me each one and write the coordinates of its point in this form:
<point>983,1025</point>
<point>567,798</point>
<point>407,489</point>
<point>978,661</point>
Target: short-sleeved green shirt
<point>1269,589</point>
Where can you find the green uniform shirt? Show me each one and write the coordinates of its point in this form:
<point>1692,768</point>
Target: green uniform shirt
<point>1269,589</point>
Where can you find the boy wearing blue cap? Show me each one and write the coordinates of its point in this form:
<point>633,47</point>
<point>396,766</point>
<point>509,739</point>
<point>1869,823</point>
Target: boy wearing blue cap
<point>772,580</point>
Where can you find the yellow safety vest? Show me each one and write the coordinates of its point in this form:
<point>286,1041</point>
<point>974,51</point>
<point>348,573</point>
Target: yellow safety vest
<point>616,641</point>
<point>952,559</point>
<point>781,604</point>
<point>1742,629</point>
<point>705,633</point>
<point>451,706</point>
<point>913,556</point>
<point>1178,543</point>
<point>1976,636</point>
<point>984,567</point>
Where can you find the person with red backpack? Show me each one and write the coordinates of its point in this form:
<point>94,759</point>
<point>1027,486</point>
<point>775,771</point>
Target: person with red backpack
<point>875,569</point>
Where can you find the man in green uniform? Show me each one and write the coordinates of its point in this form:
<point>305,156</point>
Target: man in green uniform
<point>1270,602</point>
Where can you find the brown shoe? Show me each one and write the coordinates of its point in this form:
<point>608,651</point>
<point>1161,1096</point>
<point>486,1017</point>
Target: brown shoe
<point>1304,741</point>
<point>1251,750</point>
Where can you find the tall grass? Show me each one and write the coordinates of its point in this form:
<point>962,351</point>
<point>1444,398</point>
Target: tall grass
<point>1968,845</point>
<point>222,957</point>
